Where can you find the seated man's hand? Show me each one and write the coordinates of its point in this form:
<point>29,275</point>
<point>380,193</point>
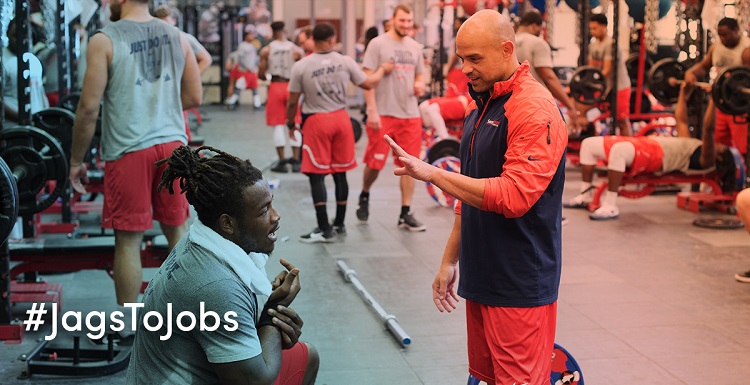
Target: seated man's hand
<point>289,323</point>
<point>285,286</point>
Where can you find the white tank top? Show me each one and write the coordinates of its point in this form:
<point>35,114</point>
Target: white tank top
<point>724,57</point>
<point>280,58</point>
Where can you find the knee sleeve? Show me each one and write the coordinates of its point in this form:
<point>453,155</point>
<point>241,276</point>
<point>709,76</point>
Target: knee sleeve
<point>592,148</point>
<point>621,156</point>
<point>280,135</point>
<point>297,141</point>
<point>342,186</point>
<point>318,188</point>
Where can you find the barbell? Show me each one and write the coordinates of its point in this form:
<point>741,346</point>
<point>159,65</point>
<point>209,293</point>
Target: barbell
<point>34,159</point>
<point>9,204</point>
<point>730,91</point>
<point>588,85</point>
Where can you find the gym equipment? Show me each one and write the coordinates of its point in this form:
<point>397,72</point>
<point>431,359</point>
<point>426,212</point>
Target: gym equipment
<point>58,122</point>
<point>588,85</point>
<point>9,204</point>
<point>730,91</point>
<point>632,66</point>
<point>357,128</point>
<point>443,148</point>
<point>35,159</point>
<point>565,369</point>
<point>389,319</point>
<point>70,101</point>
<point>448,163</point>
<point>636,9</point>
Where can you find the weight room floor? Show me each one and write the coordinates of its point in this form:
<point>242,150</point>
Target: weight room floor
<point>646,298</point>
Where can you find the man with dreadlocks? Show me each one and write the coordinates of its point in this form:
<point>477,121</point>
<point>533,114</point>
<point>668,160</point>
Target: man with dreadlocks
<point>219,266</point>
<point>323,78</point>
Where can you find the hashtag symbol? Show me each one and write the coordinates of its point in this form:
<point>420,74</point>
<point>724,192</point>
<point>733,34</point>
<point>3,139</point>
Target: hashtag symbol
<point>35,316</point>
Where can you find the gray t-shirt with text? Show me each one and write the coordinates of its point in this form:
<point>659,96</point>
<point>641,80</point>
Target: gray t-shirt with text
<point>394,94</point>
<point>323,78</point>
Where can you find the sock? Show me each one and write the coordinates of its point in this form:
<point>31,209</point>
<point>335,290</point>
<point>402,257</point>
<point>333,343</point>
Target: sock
<point>610,198</point>
<point>405,210</point>
<point>364,195</point>
<point>322,215</point>
<point>340,215</point>
<point>256,100</point>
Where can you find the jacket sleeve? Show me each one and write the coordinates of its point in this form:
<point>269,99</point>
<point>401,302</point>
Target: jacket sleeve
<point>536,142</point>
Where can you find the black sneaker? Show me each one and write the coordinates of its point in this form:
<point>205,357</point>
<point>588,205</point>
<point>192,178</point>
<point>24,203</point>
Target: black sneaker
<point>363,212</point>
<point>319,236</point>
<point>743,277</point>
<point>280,167</point>
<point>410,223</point>
<point>339,230</point>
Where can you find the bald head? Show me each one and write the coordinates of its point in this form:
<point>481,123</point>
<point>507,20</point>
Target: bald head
<point>489,25</point>
<point>486,43</point>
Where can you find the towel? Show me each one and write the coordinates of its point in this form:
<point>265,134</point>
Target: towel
<point>251,268</point>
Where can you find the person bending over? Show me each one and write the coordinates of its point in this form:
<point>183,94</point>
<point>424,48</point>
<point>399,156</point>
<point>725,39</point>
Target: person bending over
<point>634,155</point>
<point>219,266</point>
<point>436,111</point>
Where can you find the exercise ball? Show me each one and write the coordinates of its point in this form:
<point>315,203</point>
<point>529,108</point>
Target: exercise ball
<point>637,8</point>
<point>573,4</point>
<point>541,5</point>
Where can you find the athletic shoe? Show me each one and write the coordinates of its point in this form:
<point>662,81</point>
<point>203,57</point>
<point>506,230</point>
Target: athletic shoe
<point>580,201</point>
<point>280,167</point>
<point>743,277</point>
<point>410,223</point>
<point>339,230</point>
<point>319,236</point>
<point>232,99</point>
<point>295,164</point>
<point>363,212</point>
<point>604,213</point>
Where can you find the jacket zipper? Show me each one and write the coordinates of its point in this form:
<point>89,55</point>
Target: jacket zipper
<point>476,125</point>
<point>549,138</point>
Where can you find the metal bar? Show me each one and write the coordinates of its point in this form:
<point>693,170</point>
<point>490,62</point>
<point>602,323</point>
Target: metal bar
<point>389,320</point>
<point>23,41</point>
<point>641,69</point>
<point>615,66</point>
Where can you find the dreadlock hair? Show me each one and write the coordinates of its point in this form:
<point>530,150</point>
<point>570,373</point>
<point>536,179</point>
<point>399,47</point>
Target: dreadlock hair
<point>213,185</point>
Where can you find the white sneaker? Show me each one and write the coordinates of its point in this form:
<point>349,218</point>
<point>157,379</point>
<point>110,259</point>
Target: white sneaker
<point>232,99</point>
<point>581,201</point>
<point>605,212</point>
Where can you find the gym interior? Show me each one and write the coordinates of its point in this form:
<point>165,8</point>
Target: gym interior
<point>652,294</point>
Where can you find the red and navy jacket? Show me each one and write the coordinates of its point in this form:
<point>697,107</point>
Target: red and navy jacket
<point>514,138</point>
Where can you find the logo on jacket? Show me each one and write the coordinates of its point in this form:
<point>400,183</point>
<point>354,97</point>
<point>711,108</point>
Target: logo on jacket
<point>494,123</point>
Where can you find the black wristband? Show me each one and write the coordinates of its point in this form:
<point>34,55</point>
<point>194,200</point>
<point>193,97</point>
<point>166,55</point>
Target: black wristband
<point>265,318</point>
<point>290,125</point>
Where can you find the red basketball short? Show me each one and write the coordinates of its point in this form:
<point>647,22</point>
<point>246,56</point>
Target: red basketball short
<point>407,133</point>
<point>278,95</point>
<point>511,345</point>
<point>328,145</point>
<point>451,108</point>
<point>130,192</point>
<point>293,365</point>
<point>251,78</point>
<point>731,133</point>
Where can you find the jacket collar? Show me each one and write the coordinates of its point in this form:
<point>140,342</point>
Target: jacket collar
<point>503,87</point>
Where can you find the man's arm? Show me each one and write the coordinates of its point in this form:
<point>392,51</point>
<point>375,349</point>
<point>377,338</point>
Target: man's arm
<point>191,89</point>
<point>708,149</point>
<point>555,87</point>
<point>95,81</point>
<point>680,112</point>
<point>263,65</point>
<point>204,60</point>
<point>373,117</point>
<point>374,77</point>
<point>291,107</point>
<point>443,287</point>
<point>700,69</point>
<point>746,57</point>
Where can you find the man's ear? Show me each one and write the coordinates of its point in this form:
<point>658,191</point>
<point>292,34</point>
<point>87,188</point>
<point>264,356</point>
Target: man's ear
<point>227,224</point>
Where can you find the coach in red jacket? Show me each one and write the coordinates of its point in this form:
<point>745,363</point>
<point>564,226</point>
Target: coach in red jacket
<point>507,234</point>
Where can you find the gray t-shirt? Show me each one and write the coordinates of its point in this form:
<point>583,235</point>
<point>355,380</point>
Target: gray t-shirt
<point>192,274</point>
<point>281,58</point>
<point>599,51</point>
<point>195,45</point>
<point>323,79</point>
<point>535,50</point>
<point>142,105</point>
<point>677,152</point>
<point>394,94</point>
<point>247,56</point>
